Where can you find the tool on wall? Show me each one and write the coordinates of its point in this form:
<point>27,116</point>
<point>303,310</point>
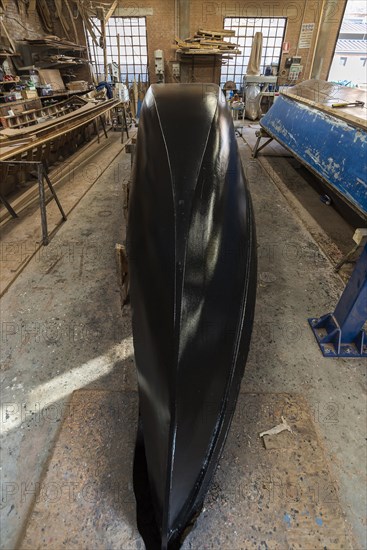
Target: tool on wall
<point>60,16</point>
<point>45,15</point>
<point>26,6</point>
<point>72,19</point>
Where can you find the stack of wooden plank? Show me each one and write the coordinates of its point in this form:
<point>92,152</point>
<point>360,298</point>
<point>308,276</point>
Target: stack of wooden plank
<point>206,42</point>
<point>57,60</point>
<point>55,42</point>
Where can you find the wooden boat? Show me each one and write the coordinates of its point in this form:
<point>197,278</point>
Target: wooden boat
<point>192,261</point>
<point>317,122</point>
<point>35,116</point>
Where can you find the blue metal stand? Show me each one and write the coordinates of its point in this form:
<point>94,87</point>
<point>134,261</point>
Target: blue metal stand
<point>341,334</point>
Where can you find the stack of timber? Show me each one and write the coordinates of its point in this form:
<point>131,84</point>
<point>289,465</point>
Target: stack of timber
<point>52,41</point>
<point>60,61</point>
<point>206,42</point>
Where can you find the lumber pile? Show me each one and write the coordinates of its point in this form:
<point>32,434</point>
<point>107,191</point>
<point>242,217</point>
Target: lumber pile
<point>56,60</point>
<point>52,41</point>
<point>206,42</point>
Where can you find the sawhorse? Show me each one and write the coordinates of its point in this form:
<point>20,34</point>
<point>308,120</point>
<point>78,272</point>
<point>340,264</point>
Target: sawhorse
<point>41,176</point>
<point>260,134</point>
<point>8,207</point>
<point>103,123</point>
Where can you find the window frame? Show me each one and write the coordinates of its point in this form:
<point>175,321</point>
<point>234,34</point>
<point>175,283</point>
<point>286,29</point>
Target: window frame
<point>249,26</point>
<point>134,48</point>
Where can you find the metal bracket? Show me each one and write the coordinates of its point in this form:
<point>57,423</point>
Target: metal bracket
<point>341,334</point>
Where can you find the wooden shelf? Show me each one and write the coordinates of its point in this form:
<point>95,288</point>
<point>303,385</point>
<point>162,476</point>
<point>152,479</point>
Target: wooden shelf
<point>9,82</point>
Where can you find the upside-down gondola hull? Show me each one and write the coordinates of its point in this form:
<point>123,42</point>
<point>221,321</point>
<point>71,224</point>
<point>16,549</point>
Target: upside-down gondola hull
<point>192,258</point>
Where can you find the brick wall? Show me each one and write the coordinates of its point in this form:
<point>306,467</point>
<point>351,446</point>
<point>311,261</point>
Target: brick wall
<point>161,29</point>
<point>19,25</point>
<point>162,26</point>
<point>211,15</point>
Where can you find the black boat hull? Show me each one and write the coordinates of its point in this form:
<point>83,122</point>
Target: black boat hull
<point>192,258</point>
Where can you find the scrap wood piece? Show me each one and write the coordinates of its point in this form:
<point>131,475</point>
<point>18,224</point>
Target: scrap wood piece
<point>56,42</point>
<point>219,43</point>
<point>206,51</point>
<point>110,12</point>
<point>284,426</point>
<point>222,32</point>
<point>184,44</point>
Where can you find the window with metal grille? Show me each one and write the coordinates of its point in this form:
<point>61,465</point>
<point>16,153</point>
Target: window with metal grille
<point>273,30</point>
<point>133,44</point>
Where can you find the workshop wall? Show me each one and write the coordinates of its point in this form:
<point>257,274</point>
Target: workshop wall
<point>211,15</point>
<point>163,26</point>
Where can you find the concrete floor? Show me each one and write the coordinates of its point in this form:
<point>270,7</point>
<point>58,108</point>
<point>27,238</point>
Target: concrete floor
<point>63,330</point>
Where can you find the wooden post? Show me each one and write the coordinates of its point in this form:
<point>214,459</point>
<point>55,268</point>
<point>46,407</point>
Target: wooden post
<point>119,56</point>
<point>103,29</point>
<point>42,199</point>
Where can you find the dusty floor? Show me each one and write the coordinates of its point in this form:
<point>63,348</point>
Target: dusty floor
<point>62,330</point>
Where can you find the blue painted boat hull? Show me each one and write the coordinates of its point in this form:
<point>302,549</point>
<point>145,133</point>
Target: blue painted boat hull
<point>335,150</point>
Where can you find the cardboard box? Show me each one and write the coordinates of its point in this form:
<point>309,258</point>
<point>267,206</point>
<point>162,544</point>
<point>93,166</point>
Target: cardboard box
<point>52,77</point>
<point>29,94</point>
<point>78,85</point>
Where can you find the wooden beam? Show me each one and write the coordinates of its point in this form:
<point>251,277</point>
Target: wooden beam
<point>110,12</point>
<point>119,55</point>
<point>105,62</point>
<point>3,4</point>
<point>12,45</point>
<point>88,23</point>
